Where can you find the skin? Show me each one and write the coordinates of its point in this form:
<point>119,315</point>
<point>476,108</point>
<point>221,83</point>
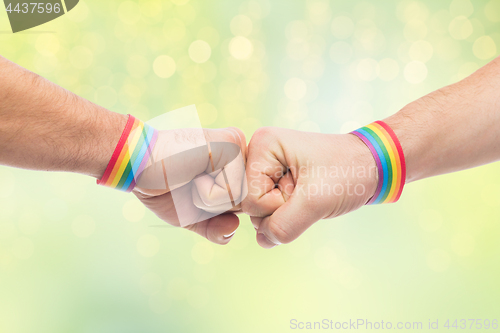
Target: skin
<point>451,129</point>
<point>45,127</point>
<point>207,193</point>
<point>294,178</point>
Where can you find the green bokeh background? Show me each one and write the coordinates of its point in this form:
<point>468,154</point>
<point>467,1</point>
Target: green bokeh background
<point>75,257</point>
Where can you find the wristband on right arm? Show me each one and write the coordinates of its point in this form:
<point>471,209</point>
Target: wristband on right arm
<point>389,157</point>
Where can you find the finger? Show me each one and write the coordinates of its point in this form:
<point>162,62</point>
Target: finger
<point>268,203</point>
<point>244,155</point>
<point>265,242</point>
<point>223,186</point>
<point>218,229</point>
<point>263,173</point>
<point>224,154</point>
<point>266,165</point>
<point>175,207</point>
<point>244,192</point>
<point>162,205</point>
<point>180,155</point>
<point>224,181</point>
<point>232,177</point>
<point>256,221</point>
<point>286,186</point>
<point>219,209</point>
<point>288,222</point>
<point>223,206</point>
<point>210,193</point>
<point>277,197</point>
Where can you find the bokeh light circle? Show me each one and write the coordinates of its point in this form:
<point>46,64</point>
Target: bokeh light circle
<point>295,89</point>
<point>461,7</point>
<point>199,51</point>
<point>484,48</point>
<point>129,12</point>
<point>164,66</point>
<point>460,28</point>
<point>368,69</point>
<point>240,48</point>
<point>415,72</point>
<point>133,210</point>
<point>421,51</point>
<point>492,11</point>
<point>388,69</point>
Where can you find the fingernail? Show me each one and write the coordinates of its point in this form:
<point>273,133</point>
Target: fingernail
<point>230,235</point>
<point>267,243</point>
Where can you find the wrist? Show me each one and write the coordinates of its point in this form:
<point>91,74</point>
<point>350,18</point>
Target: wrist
<point>106,131</point>
<point>388,154</point>
<point>130,156</point>
<point>366,170</point>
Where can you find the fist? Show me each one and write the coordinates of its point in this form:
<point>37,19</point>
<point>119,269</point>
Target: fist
<point>297,178</point>
<point>196,180</point>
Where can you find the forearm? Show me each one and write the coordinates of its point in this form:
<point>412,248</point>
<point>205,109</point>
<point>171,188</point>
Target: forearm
<point>453,128</point>
<point>45,127</point>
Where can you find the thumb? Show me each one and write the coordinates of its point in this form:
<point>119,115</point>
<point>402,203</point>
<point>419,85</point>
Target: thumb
<point>288,222</point>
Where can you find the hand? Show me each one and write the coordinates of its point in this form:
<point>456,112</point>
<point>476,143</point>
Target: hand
<point>297,178</point>
<point>185,183</point>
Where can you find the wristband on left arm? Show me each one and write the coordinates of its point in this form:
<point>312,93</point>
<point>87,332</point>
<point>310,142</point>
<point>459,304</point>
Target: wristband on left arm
<point>130,155</point>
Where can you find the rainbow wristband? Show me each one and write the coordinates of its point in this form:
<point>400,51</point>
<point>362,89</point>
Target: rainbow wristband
<point>130,156</point>
<point>388,154</point>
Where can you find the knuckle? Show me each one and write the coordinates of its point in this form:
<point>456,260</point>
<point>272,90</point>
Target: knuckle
<point>227,136</point>
<point>263,139</point>
<point>240,136</point>
<point>263,133</point>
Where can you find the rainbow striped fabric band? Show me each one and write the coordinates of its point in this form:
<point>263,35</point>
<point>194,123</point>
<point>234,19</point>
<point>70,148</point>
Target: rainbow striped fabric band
<point>388,154</point>
<point>130,156</point>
